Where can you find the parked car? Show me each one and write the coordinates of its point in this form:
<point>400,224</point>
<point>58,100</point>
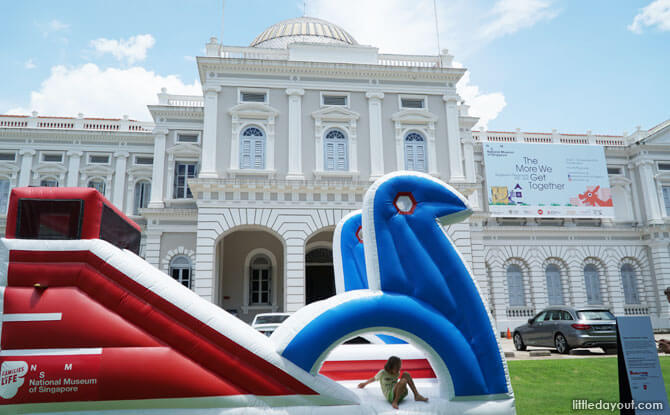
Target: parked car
<point>266,323</point>
<point>567,328</point>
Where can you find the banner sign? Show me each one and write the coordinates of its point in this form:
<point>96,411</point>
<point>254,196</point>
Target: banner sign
<point>641,387</point>
<point>547,180</point>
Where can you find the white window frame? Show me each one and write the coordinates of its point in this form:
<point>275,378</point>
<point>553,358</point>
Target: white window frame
<point>8,152</point>
<point>181,268</point>
<point>136,156</point>
<point>426,166</point>
<point>99,179</point>
<point>54,178</point>
<point>274,275</point>
<point>135,208</point>
<point>424,98</point>
<point>346,150</point>
<point>174,173</point>
<point>51,153</point>
<point>346,95</point>
<point>197,133</point>
<point>265,91</point>
<point>109,159</point>
<point>265,148</point>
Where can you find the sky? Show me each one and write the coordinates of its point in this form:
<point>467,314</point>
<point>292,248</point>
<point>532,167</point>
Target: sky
<point>572,65</point>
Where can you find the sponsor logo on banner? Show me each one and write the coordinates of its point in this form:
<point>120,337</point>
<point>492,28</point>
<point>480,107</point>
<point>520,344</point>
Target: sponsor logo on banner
<point>12,378</point>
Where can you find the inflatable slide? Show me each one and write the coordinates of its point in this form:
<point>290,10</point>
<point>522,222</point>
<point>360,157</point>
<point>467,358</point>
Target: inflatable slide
<point>87,326</point>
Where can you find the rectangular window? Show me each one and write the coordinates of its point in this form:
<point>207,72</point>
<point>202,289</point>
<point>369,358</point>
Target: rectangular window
<point>666,199</point>
<point>117,231</point>
<point>7,156</point>
<point>49,183</point>
<point>144,160</point>
<point>253,96</point>
<point>98,159</point>
<point>4,195</point>
<point>142,195</point>
<point>340,100</point>
<point>52,157</point>
<point>187,138</point>
<point>413,103</point>
<point>614,170</point>
<point>260,286</point>
<point>664,166</point>
<point>183,172</point>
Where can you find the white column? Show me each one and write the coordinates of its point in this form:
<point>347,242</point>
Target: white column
<point>294,293</point>
<point>158,175</point>
<point>208,159</point>
<point>469,159</point>
<point>119,178</point>
<point>74,159</point>
<point>153,247</point>
<point>295,133</point>
<point>649,190</point>
<point>26,166</point>
<point>454,139</point>
<point>660,268</point>
<point>376,136</point>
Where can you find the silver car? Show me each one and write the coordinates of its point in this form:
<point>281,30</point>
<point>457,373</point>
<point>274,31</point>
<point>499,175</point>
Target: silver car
<point>568,328</point>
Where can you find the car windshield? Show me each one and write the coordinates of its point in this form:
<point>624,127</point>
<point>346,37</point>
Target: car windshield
<point>271,319</point>
<point>595,315</point>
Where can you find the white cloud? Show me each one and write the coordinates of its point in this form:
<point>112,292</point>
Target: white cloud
<point>485,106</point>
<point>110,92</point>
<point>29,64</point>
<point>510,16</point>
<point>56,25</point>
<point>132,50</point>
<point>656,13</point>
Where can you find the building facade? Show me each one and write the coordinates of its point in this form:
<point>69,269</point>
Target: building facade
<point>239,190</point>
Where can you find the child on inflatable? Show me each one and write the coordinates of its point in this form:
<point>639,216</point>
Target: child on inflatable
<point>394,390</point>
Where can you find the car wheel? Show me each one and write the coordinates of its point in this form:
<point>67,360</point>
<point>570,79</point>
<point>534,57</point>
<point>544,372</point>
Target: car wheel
<point>609,350</point>
<point>561,344</point>
<point>518,342</point>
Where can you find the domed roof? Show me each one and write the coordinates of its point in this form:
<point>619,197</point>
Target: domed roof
<point>302,29</point>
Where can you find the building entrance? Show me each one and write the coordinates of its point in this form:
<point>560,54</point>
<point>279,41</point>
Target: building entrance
<point>319,275</point>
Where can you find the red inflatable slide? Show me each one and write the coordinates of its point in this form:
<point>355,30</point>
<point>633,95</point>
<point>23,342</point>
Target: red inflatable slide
<point>88,324</point>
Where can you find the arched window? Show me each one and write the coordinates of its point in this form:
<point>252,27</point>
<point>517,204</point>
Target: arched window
<point>415,152</point>
<point>554,286</point>
<point>180,270</point>
<point>592,281</point>
<point>49,182</point>
<point>252,149</point>
<point>260,281</point>
<point>97,184</point>
<point>630,292</point>
<point>517,297</point>
<point>335,151</point>
<point>4,195</point>
<point>142,195</point>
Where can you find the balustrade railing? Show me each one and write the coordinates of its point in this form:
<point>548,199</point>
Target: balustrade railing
<point>70,123</point>
<point>635,310</point>
<point>547,138</point>
<point>520,312</point>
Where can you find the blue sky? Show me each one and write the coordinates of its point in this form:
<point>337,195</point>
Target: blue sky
<point>533,64</point>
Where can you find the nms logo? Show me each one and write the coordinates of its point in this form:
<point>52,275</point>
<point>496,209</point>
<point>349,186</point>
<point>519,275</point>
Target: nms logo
<point>11,378</point>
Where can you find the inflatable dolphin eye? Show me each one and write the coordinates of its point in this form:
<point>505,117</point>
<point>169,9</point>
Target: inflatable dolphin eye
<point>405,203</point>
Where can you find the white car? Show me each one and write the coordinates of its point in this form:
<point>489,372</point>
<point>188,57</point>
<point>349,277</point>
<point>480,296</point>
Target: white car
<point>266,323</point>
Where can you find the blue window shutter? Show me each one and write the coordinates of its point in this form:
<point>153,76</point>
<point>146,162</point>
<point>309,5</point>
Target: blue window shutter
<point>245,162</point>
<point>330,156</point>
<point>517,297</point>
<point>592,282</point>
<point>259,156</point>
<point>666,199</point>
<point>341,157</point>
<point>630,292</point>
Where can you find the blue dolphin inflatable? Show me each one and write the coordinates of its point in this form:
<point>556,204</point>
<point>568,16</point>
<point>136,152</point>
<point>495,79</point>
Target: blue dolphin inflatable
<point>418,289</point>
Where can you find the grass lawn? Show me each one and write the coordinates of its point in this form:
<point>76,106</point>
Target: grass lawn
<point>549,386</point>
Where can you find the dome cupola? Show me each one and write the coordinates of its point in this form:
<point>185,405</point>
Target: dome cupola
<point>302,30</point>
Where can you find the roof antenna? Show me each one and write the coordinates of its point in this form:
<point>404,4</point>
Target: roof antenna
<point>223,8</point>
<point>437,32</point>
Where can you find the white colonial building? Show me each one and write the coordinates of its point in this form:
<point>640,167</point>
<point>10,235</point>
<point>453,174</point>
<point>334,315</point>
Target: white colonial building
<point>239,190</point>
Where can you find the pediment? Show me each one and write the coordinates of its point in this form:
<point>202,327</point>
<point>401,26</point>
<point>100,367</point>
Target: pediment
<point>184,149</point>
<point>659,135</point>
<point>140,171</point>
<point>254,110</point>
<point>335,114</point>
<point>51,168</point>
<point>412,116</point>
<point>97,170</point>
